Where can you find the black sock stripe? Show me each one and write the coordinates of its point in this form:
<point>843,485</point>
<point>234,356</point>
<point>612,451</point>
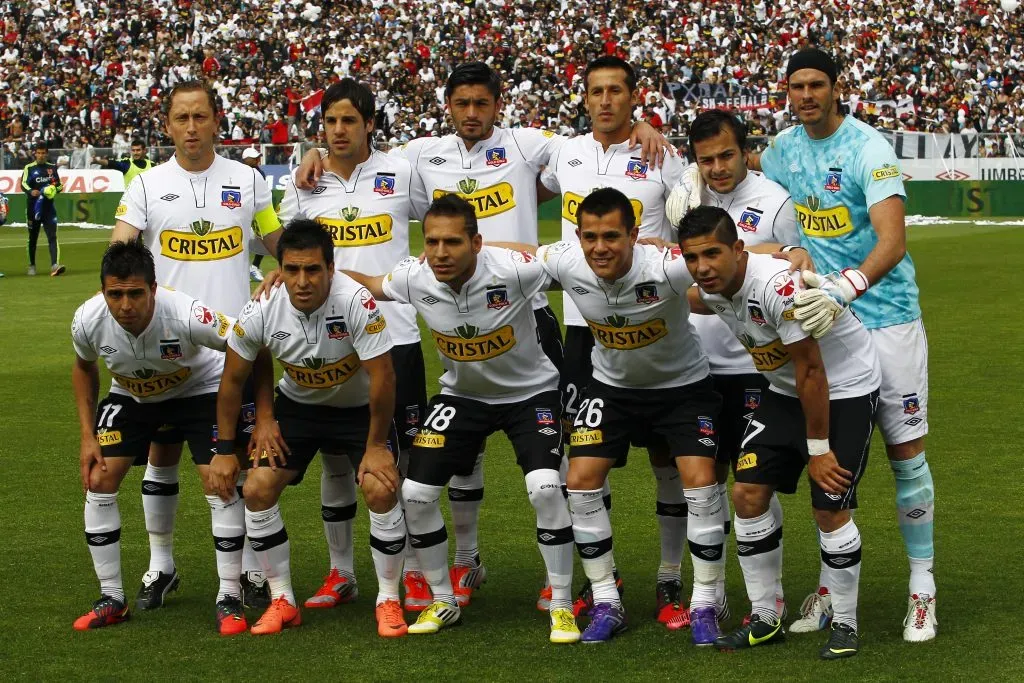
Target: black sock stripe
<point>392,547</point>
<point>607,501</point>
<point>264,543</point>
<point>594,549</point>
<point>228,544</point>
<point>841,560</point>
<point>239,489</point>
<point>554,536</point>
<point>709,553</point>
<point>727,526</point>
<point>429,539</point>
<point>671,509</point>
<point>465,495</point>
<point>98,538</point>
<point>338,514</point>
<point>156,488</point>
<point>759,546</point>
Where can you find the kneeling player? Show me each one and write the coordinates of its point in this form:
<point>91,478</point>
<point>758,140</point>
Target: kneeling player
<point>337,396</point>
<point>161,348</point>
<point>477,303</point>
<point>818,411</point>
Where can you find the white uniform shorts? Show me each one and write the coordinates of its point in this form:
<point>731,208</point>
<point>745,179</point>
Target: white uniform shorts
<point>903,397</point>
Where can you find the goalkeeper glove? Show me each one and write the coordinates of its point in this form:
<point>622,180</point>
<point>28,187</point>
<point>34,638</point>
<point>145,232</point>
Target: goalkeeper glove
<point>684,196</point>
<point>827,298</point>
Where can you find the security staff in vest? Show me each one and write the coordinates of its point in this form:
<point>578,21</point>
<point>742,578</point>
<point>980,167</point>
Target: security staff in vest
<point>132,165</point>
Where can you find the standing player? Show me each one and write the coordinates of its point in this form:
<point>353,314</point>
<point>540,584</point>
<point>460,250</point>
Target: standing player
<point>163,349</point>
<point>819,412</point>
<point>849,196</point>
<point>251,157</point>
<point>336,396</point>
<point>40,181</point>
<point>363,201</point>
<point>477,303</point>
<point>650,388</point>
<point>605,158</point>
<point>763,211</point>
<point>196,213</point>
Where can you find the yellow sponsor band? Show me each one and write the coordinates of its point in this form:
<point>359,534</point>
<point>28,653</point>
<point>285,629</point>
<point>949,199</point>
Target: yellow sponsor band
<point>109,438</point>
<point>326,376</point>
<point>214,246</point>
<point>359,233</point>
<point>886,172</point>
<point>487,201</point>
<point>770,356</point>
<point>376,327</point>
<point>629,337</point>
<point>238,330</point>
<point>156,384</point>
<point>121,210</point>
<point>746,462</point>
<point>571,204</point>
<point>428,440</point>
<point>222,324</point>
<point>479,348</point>
<point>789,314</point>
<point>833,222</point>
<point>586,437</point>
<point>266,221</point>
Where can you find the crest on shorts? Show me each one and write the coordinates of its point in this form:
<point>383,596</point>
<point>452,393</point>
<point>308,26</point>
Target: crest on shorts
<point>497,297</point>
<point>751,398</point>
<point>545,416</point>
<point>170,349</point>
<point>349,213</point>
<point>201,227</point>
<point>704,425</point>
<point>911,404</point>
<point>756,314</point>
<point>748,220</point>
<point>834,180</point>
<point>468,186</point>
<point>646,293</point>
<point>384,184</point>
<point>231,199</point>
<point>636,169</point>
<point>495,156</point>
<point>336,328</point>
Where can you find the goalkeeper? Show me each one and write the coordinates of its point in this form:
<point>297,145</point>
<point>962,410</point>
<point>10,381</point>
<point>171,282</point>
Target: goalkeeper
<point>848,192</point>
<point>41,183</point>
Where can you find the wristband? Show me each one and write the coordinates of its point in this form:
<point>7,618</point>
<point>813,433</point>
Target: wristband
<point>791,247</point>
<point>817,446</point>
<point>857,280</point>
<point>225,447</point>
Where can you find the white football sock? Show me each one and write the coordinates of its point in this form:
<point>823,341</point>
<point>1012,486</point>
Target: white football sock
<point>159,506</point>
<point>429,536</point>
<point>840,552</point>
<point>228,521</point>
<point>338,510</point>
<point>706,535</point>
<point>592,530</point>
<point>757,543</point>
<point>671,513</point>
<point>465,496</point>
<point>554,533</point>
<point>103,534</point>
<point>269,539</point>
<point>387,546</point>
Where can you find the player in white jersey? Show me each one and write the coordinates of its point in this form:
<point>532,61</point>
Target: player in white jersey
<point>477,303</point>
<point>605,158</point>
<point>197,213</point>
<point>819,411</point>
<point>363,200</point>
<point>164,351</point>
<point>495,170</point>
<point>763,212</point>
<point>650,388</point>
<point>337,396</point>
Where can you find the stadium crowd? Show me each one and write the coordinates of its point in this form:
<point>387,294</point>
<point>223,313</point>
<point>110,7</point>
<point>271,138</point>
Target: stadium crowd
<point>77,73</point>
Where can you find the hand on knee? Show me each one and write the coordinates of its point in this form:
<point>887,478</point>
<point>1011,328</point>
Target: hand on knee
<point>378,498</point>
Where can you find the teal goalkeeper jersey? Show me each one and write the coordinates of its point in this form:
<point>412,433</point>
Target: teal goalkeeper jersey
<point>833,183</point>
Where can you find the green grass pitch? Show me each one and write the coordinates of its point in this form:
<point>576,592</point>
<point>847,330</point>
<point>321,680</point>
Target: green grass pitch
<point>968,277</point>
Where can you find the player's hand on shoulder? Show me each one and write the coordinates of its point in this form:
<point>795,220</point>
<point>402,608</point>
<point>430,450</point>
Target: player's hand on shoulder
<point>310,170</point>
<point>819,304</point>
<point>271,281</point>
<point>661,244</point>
<point>684,196</point>
<point>798,257</point>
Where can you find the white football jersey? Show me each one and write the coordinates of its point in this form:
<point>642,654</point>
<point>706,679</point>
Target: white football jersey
<point>179,354</point>
<point>498,176</point>
<point>199,226</point>
<point>582,165</point>
<point>763,212</point>
<point>640,321</point>
<point>485,334</point>
<point>368,218</point>
<point>320,352</point>
<point>760,315</point>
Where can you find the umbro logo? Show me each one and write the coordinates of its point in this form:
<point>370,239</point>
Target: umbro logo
<point>575,162</point>
<point>437,161</point>
<point>169,197</point>
<point>546,537</point>
<point>744,548</point>
<point>840,561</point>
<point>672,509</point>
<point>914,421</point>
<point>256,545</point>
<point>281,335</point>
<point>97,539</point>
<point>226,545</point>
<point>412,432</point>
<point>394,547</point>
<point>916,513</point>
<point>108,350</point>
<point>455,494</point>
<point>579,290</point>
<point>430,300</point>
<point>150,486</point>
<point>319,189</point>
<point>588,551</point>
<point>327,514</point>
<point>710,443</point>
<point>547,431</point>
<point>710,553</point>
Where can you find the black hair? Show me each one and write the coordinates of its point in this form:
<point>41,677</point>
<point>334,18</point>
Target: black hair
<point>451,205</point>
<point>708,220</point>
<point>610,62</point>
<point>40,145</point>
<point>123,260</point>
<point>303,233</point>
<point>473,73</point>
<point>710,123</point>
<point>193,86</point>
<point>137,142</point>
<point>602,202</point>
<point>353,91</point>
